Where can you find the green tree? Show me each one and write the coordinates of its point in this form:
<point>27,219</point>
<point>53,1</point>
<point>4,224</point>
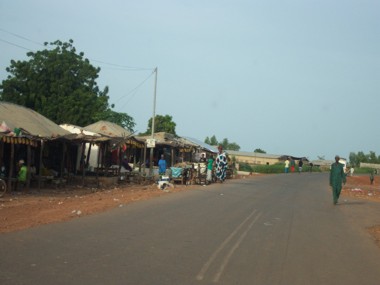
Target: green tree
<point>354,159</point>
<point>213,140</point>
<point>372,158</point>
<point>225,143</point>
<point>357,158</point>
<point>121,119</point>
<point>58,83</point>
<point>259,150</point>
<point>361,157</point>
<point>162,124</point>
<point>233,146</point>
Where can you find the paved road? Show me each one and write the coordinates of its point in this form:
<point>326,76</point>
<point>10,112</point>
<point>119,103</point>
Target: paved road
<point>278,229</point>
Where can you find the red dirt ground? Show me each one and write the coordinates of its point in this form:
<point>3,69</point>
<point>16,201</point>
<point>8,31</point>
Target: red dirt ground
<point>20,211</point>
<point>360,187</point>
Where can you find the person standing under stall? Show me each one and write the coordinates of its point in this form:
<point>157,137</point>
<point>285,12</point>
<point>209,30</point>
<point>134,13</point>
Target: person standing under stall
<point>162,165</point>
<point>22,174</point>
<point>337,177</point>
<point>210,164</point>
<point>221,165</point>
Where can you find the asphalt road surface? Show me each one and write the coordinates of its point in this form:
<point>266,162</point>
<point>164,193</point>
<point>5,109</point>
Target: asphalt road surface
<point>276,229</point>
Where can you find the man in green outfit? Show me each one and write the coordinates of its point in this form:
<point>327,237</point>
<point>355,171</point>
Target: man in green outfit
<point>337,177</point>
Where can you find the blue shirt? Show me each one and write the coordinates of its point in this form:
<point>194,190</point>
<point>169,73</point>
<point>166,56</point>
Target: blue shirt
<point>162,166</point>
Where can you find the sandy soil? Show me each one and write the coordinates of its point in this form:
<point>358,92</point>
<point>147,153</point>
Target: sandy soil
<point>360,187</point>
<point>24,210</point>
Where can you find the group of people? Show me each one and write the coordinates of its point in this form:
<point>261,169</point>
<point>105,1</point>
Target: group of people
<point>289,162</point>
<point>220,165</point>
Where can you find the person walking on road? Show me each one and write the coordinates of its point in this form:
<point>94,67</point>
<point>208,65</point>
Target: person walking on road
<point>337,177</point>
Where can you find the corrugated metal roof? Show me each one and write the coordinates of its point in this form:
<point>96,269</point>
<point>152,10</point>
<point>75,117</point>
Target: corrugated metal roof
<point>201,144</point>
<point>29,121</point>
<point>253,154</point>
<point>108,129</point>
<point>163,138</point>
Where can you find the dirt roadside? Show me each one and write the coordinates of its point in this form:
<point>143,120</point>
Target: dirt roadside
<point>20,211</point>
<point>360,187</point>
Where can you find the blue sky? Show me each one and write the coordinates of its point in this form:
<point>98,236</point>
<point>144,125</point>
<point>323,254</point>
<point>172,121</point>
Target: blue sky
<point>289,77</point>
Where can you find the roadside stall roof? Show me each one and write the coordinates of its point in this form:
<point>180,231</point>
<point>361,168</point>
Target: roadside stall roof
<point>284,157</point>
<point>118,134</point>
<point>79,134</point>
<point>163,138</point>
<point>108,129</point>
<point>254,154</point>
<point>200,144</point>
<point>15,118</point>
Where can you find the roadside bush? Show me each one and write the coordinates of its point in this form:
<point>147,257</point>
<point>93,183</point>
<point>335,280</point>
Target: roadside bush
<point>275,168</point>
<point>363,170</point>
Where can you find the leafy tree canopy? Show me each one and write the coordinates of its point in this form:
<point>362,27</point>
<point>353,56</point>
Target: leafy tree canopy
<point>259,150</point>
<point>162,124</point>
<point>225,143</point>
<point>357,158</point>
<point>211,141</point>
<point>60,84</point>
<point>121,119</point>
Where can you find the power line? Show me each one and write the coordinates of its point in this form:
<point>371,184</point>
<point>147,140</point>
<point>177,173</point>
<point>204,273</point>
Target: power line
<point>21,37</point>
<point>16,45</point>
<point>123,67</point>
<point>110,65</point>
<point>133,91</point>
<point>118,66</point>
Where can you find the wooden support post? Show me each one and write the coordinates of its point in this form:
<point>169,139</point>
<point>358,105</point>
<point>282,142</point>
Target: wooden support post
<point>41,165</point>
<point>28,160</point>
<point>10,174</point>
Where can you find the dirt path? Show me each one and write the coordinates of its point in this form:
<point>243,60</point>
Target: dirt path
<point>20,210</point>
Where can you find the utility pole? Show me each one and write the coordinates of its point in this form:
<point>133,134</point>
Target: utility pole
<point>153,123</point>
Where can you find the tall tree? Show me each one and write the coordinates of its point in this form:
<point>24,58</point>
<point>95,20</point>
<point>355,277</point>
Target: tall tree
<point>259,150</point>
<point>121,119</point>
<point>162,124</point>
<point>59,83</point>
<point>233,146</point>
<point>357,158</point>
<point>213,140</point>
<point>225,143</point>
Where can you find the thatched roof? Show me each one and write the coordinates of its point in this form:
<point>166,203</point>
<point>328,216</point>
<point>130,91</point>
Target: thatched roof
<point>30,122</point>
<point>118,134</point>
<point>108,129</point>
